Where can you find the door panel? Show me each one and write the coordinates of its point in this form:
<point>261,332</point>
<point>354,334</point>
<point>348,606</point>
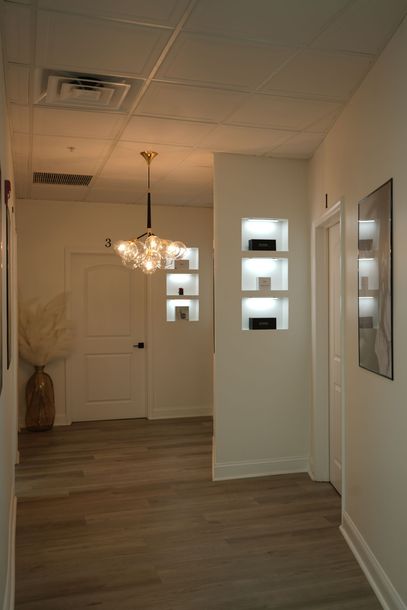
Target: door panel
<point>107,374</point>
<point>108,301</point>
<point>335,388</point>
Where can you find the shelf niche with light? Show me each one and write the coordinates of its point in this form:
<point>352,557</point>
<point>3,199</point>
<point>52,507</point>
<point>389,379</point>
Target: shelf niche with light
<point>264,274</point>
<point>254,269</point>
<point>265,307</point>
<point>192,256</point>
<point>182,288</point>
<point>265,229</point>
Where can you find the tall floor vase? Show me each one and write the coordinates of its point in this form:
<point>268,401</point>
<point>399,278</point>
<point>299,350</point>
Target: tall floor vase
<point>39,394</point>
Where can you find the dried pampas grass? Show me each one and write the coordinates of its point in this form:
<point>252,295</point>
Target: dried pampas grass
<point>45,333</point>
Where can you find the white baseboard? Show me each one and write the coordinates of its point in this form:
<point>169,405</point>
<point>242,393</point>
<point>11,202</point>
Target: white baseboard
<point>258,468</point>
<point>377,577</point>
<point>62,420</point>
<point>8,601</point>
<point>181,412</point>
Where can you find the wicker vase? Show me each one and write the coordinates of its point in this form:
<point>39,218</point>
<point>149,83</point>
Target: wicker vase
<point>39,394</point>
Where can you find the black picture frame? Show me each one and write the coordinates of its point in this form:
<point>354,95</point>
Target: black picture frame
<point>8,255</point>
<point>1,281</point>
<point>375,281</point>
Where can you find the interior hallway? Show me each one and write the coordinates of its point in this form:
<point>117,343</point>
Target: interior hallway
<point>123,515</point>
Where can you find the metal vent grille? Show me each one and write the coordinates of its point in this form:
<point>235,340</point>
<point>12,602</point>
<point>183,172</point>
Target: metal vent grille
<point>61,179</point>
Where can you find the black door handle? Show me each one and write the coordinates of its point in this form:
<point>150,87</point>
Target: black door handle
<point>139,345</point>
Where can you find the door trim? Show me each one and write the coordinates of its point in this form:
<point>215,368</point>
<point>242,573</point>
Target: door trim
<point>69,252</point>
<point>319,454</point>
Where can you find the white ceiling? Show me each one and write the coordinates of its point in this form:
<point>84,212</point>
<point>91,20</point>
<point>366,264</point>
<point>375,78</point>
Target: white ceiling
<point>263,77</point>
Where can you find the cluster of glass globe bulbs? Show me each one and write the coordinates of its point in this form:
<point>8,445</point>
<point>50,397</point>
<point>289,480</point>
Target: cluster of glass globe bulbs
<point>149,252</point>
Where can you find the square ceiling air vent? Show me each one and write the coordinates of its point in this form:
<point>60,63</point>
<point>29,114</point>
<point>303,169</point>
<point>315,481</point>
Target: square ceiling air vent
<point>88,92</point>
<point>61,179</point>
<point>84,91</point>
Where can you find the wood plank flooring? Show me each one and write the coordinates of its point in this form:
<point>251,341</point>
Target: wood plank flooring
<point>123,516</point>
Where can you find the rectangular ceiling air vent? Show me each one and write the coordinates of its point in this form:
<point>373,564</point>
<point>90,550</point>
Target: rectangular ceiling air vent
<point>61,179</point>
<point>84,91</point>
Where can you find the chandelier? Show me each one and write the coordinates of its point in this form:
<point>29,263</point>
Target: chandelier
<point>149,252</point>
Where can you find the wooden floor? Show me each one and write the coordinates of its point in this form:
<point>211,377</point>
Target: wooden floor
<point>123,516</point>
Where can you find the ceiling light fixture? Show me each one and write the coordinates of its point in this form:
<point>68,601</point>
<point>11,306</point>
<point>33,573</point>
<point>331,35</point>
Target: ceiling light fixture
<point>149,252</point>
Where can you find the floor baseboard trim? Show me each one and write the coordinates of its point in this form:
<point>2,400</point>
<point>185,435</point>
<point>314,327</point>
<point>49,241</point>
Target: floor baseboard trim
<point>377,577</point>
<point>62,420</point>
<point>181,412</point>
<point>8,601</point>
<point>259,468</point>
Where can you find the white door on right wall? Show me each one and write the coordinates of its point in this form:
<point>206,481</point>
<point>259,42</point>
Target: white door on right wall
<point>335,389</point>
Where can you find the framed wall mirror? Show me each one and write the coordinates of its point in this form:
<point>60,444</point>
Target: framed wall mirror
<point>375,302</point>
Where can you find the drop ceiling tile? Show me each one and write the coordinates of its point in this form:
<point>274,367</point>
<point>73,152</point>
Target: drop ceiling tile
<point>126,162</point>
<point>18,33</point>
<point>20,143</point>
<point>317,73</point>
<point>166,131</point>
<point>300,146</point>
<point>159,12</point>
<point>17,83</point>
<point>325,124</point>
<point>116,195</point>
<point>75,123</point>
<point>280,112</point>
<point>171,192</point>
<point>20,118</point>
<point>221,62</point>
<point>53,154</point>
<point>288,22</point>
<point>199,158</point>
<point>78,43</point>
<point>187,176</point>
<point>246,140</point>
<point>55,192</point>
<point>129,184</point>
<point>364,27</point>
<point>185,102</point>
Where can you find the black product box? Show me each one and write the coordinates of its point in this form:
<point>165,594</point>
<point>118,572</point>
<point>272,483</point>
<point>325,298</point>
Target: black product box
<point>365,244</point>
<point>262,244</point>
<point>366,322</point>
<point>262,323</point>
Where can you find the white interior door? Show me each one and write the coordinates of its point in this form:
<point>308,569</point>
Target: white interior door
<point>335,389</point>
<point>107,371</point>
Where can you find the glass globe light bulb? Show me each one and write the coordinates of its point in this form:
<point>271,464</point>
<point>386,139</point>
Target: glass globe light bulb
<point>120,247</point>
<point>181,248</point>
<point>153,242</point>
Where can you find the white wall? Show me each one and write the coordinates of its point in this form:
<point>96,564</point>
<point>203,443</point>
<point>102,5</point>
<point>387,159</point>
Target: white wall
<point>181,354</point>
<point>261,394</point>
<point>366,147</point>
<point>8,397</point>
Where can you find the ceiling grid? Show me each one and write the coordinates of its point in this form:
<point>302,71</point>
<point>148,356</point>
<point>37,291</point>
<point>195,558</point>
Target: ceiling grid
<point>265,77</point>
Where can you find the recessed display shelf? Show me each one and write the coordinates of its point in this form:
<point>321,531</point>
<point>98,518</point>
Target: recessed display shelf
<point>256,272</point>
<point>182,284</point>
<point>265,308</point>
<point>191,255</point>
<point>273,232</point>
<point>368,312</point>
<point>176,307</point>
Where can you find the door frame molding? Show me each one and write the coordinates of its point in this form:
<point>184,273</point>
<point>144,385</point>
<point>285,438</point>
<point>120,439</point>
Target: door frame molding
<point>319,454</point>
<point>69,251</point>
